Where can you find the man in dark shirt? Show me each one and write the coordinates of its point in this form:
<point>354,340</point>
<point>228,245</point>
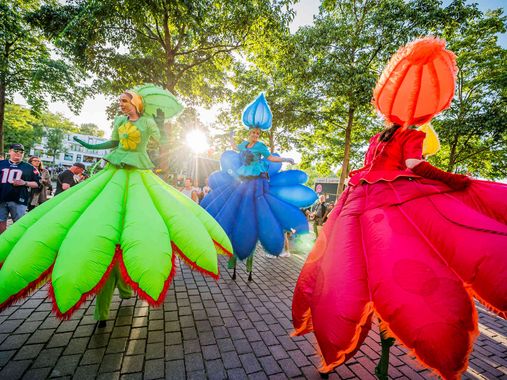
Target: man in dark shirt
<point>318,215</point>
<point>16,177</point>
<point>66,179</point>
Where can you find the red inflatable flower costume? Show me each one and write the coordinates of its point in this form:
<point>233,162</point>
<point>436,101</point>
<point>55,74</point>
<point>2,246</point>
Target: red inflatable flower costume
<point>413,247</point>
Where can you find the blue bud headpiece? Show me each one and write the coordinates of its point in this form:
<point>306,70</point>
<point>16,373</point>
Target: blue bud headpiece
<point>257,114</point>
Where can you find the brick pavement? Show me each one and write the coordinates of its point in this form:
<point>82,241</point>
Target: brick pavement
<point>205,329</point>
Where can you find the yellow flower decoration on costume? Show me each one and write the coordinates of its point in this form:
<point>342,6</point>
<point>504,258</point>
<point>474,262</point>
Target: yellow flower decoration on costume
<point>129,135</point>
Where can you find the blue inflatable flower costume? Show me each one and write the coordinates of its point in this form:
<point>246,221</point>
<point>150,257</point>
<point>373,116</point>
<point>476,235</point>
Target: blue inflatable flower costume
<point>251,199</point>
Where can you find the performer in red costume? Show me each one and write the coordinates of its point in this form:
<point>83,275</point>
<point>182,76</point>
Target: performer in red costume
<point>413,245</point>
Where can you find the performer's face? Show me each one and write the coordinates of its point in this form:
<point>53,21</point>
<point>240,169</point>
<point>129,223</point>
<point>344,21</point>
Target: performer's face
<point>254,134</point>
<point>126,105</point>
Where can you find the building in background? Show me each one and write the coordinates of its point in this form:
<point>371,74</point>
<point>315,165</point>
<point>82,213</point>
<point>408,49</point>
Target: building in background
<point>72,152</point>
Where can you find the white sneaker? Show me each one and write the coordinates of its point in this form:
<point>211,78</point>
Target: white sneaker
<point>268,256</point>
<point>284,254</point>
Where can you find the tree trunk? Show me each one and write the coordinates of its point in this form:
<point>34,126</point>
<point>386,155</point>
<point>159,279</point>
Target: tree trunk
<point>452,154</point>
<point>346,153</point>
<point>2,117</point>
<point>272,141</point>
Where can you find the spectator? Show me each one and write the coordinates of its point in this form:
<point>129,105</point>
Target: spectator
<point>69,177</point>
<point>15,179</point>
<point>39,195</point>
<point>286,242</point>
<point>190,191</point>
<point>318,215</point>
<point>206,189</point>
<point>329,208</point>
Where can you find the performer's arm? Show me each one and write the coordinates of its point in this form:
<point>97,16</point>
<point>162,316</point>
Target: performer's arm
<point>104,145</point>
<point>425,169</point>
<point>280,159</point>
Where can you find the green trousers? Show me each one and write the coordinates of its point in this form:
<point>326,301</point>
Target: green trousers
<point>231,264</point>
<point>105,296</point>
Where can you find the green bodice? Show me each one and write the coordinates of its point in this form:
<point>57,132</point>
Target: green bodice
<point>133,138</point>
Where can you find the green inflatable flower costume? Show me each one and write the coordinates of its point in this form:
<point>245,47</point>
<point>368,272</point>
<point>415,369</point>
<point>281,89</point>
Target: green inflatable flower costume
<point>124,216</point>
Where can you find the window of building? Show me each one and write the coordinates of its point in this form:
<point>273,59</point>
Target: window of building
<point>68,157</point>
<point>78,158</point>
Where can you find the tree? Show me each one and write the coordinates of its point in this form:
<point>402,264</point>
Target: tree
<point>54,127</point>
<point>90,129</point>
<point>54,144</point>
<point>338,61</point>
<point>184,46</point>
<point>473,132</point>
<point>27,65</point>
<point>19,127</point>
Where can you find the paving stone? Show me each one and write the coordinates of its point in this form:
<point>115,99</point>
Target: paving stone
<point>175,370</point>
<point>13,342</point>
<point>116,345</point>
<point>154,369</point>
<point>37,373</point>
<point>215,369</point>
<point>84,331</point>
<point>5,356</point>
<point>93,356</point>
<point>66,365</point>
<point>289,367</point>
<point>132,363</point>
<point>270,365</point>
<point>76,346</point>
<point>174,352</point>
<point>14,369</point>
<point>228,329</point>
<point>120,331</point>
<point>48,357</point>
<point>10,326</point>
<point>67,326</point>
<point>194,362</point>
<point>139,333</point>
<point>28,327</point>
<point>60,340</point>
<point>237,374</point>
<point>132,376</point>
<point>250,363</point>
<point>231,360</point>
<point>191,346</point>
<point>29,351</point>
<point>155,351</point>
<point>86,372</point>
<point>111,363</point>
<point>225,345</point>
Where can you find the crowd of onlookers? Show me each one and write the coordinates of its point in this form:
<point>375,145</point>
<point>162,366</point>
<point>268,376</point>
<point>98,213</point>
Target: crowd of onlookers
<point>26,185</point>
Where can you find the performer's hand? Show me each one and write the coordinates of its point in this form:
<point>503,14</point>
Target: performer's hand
<point>288,160</point>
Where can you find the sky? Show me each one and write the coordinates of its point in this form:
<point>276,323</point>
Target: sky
<point>94,109</point>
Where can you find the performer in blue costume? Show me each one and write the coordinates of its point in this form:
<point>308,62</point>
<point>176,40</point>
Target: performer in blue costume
<point>251,199</point>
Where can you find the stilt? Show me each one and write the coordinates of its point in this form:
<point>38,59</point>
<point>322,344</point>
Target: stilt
<point>249,267</point>
<point>231,264</point>
<point>382,369</point>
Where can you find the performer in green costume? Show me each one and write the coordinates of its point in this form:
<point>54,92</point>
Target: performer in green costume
<point>124,222</point>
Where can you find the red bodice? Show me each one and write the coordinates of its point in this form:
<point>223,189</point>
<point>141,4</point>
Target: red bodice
<point>385,161</point>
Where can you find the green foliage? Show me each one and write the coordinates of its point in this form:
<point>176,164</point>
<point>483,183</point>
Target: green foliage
<point>19,127</point>
<point>184,46</point>
<point>473,132</point>
<point>29,66</point>
<point>90,129</point>
<point>54,144</point>
<point>319,82</point>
